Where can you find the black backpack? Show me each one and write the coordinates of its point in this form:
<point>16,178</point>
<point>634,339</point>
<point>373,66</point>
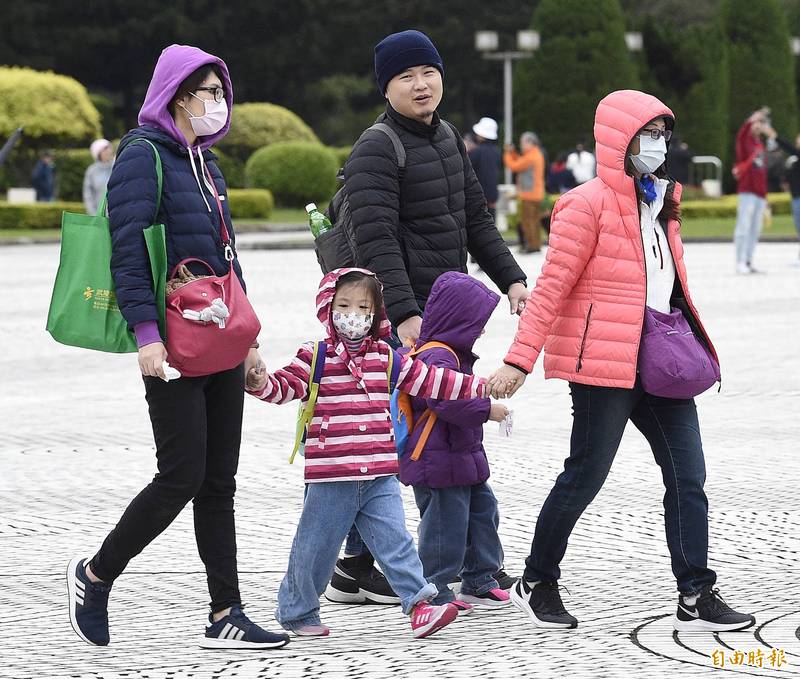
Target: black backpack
<point>337,248</point>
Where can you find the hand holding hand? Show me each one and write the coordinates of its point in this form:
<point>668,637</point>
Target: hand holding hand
<point>505,382</point>
<point>151,359</point>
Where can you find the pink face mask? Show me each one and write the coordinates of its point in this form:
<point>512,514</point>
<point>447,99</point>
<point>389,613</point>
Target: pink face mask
<point>212,121</point>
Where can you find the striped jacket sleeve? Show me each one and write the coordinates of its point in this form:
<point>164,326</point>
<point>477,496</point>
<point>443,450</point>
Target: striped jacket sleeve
<point>429,381</point>
<point>289,383</point>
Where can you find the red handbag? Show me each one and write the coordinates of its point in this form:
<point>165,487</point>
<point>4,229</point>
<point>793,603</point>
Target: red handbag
<point>211,324</point>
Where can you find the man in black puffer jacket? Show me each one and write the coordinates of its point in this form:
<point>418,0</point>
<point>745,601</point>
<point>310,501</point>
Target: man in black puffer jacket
<point>411,229</point>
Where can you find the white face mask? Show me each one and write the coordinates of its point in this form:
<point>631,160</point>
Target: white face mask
<point>353,326</point>
<point>212,121</point>
<point>652,153</point>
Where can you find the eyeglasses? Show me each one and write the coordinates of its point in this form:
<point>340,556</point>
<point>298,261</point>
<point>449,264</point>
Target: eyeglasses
<point>218,92</point>
<point>657,134</point>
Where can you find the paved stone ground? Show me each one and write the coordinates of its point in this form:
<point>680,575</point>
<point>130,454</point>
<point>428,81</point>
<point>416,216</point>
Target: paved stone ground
<point>75,446</point>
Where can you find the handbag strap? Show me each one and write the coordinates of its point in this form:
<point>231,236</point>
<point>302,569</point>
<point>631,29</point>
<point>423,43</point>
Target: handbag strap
<point>223,229</point>
<point>101,208</point>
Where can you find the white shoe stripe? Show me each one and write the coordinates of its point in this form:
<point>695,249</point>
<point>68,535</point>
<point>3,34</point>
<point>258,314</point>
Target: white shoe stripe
<point>79,599</point>
<point>80,585</point>
<point>239,634</point>
<point>224,634</point>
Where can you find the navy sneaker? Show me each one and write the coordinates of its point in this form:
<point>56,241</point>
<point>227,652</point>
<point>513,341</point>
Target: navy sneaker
<point>236,630</point>
<point>88,604</point>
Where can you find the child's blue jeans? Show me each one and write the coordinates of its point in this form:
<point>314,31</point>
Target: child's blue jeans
<point>330,509</point>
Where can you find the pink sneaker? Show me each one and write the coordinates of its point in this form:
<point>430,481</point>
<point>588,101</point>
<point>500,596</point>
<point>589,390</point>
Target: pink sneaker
<point>313,631</point>
<point>494,597</point>
<point>463,607</point>
<point>427,619</point>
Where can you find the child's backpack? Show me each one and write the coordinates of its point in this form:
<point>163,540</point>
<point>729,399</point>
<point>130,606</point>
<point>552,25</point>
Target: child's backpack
<point>306,411</point>
<point>403,413</point>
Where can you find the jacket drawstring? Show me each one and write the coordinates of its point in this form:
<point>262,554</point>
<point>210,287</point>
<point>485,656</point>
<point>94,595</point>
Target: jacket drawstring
<point>196,178</point>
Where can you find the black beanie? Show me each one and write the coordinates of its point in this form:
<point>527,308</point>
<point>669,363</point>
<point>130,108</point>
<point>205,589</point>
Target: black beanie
<point>399,51</point>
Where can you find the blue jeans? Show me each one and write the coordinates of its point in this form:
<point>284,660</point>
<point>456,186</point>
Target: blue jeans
<point>354,546</point>
<point>329,510</point>
<point>796,214</point>
<point>672,430</point>
<point>749,222</point>
<point>458,534</point>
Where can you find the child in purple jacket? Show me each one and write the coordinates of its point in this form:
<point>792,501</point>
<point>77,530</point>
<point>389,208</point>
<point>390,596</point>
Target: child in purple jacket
<point>459,517</point>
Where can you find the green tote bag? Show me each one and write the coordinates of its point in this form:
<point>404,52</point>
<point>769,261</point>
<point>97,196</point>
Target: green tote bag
<point>83,309</point>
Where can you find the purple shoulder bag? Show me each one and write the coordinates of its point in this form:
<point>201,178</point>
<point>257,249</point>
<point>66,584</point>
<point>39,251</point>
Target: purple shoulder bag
<point>673,362</point>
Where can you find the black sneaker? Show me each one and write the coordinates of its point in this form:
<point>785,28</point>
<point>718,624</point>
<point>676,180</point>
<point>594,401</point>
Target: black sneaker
<point>504,580</point>
<point>710,613</point>
<point>356,581</point>
<point>88,604</point>
<point>236,630</point>
<point>542,604</point>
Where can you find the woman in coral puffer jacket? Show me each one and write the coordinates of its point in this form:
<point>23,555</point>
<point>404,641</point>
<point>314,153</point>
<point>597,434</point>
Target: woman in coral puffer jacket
<point>614,249</point>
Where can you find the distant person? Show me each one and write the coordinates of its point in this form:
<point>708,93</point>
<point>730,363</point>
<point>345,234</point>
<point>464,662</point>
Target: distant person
<point>486,160</point>
<point>560,178</point>
<point>582,163</point>
<point>750,171</point>
<point>793,177</point>
<point>679,158</point>
<point>529,166</point>
<point>43,178</point>
<point>97,174</point>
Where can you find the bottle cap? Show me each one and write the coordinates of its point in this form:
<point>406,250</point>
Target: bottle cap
<point>311,207</point>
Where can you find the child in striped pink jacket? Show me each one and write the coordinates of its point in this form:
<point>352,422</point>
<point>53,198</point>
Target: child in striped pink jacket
<point>351,459</point>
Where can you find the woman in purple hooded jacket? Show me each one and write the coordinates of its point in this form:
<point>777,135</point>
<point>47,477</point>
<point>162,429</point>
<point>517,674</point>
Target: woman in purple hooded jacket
<point>197,421</point>
<point>458,511</point>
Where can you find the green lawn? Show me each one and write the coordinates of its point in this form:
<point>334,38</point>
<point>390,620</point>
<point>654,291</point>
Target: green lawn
<point>721,227</point>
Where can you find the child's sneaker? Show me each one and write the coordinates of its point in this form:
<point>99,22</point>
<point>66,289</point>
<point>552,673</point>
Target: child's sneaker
<point>504,580</point>
<point>312,631</point>
<point>427,619</point>
<point>463,607</point>
<point>494,597</point>
<point>708,612</point>
<point>88,604</point>
<point>236,630</point>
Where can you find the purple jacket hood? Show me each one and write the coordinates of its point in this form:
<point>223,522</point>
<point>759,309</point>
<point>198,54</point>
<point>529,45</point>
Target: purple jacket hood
<point>456,312</point>
<point>174,65</point>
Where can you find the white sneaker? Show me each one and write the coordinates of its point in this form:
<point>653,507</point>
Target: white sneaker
<point>742,269</point>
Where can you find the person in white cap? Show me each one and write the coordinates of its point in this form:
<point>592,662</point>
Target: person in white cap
<point>486,160</point>
<point>97,174</point>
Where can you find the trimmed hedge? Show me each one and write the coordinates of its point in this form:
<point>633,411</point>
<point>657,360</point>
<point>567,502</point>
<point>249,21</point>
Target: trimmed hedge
<point>342,153</point>
<point>232,169</point>
<point>781,204</point>
<point>55,109</point>
<point>71,166</point>
<point>254,125</point>
<point>243,204</point>
<point>296,172</point>
<point>250,203</point>
<point>35,215</point>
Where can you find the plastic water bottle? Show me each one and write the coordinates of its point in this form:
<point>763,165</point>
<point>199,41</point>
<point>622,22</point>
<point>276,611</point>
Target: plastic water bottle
<point>317,221</point>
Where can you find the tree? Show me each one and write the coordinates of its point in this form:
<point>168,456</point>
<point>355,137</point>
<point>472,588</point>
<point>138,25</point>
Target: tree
<point>761,63</point>
<point>687,68</point>
<point>583,57</point>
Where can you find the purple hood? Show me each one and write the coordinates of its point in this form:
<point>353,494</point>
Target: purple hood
<point>456,311</point>
<point>174,65</point>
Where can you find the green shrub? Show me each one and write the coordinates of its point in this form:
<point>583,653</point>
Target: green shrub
<point>255,125</point>
<point>295,172</point>
<point>781,204</point>
<point>35,215</point>
<point>71,166</point>
<point>342,153</point>
<point>250,203</point>
<point>232,169</point>
<point>54,109</point>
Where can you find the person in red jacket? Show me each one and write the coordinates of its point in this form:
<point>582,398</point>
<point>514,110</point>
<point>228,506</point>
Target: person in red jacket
<point>750,171</point>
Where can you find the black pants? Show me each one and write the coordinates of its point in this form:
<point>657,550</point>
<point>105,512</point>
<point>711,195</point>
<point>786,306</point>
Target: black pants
<point>197,426</point>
